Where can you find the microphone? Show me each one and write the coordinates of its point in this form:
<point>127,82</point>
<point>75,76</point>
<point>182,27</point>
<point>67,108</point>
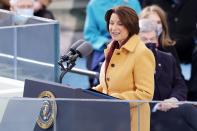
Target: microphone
<point>82,51</point>
<point>79,49</point>
<point>72,51</point>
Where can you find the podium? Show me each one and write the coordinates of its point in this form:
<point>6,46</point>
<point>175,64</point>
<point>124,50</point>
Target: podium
<point>76,109</point>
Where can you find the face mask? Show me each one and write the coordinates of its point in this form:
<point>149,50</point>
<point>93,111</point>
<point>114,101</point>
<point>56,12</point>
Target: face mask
<point>27,12</point>
<point>176,1</point>
<point>22,15</point>
<point>159,29</point>
<point>152,47</point>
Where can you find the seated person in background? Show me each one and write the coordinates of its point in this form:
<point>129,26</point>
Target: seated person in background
<point>30,8</point>
<point>23,10</point>
<point>169,87</point>
<point>166,44</point>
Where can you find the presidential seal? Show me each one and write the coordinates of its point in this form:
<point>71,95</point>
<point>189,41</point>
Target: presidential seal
<point>48,110</point>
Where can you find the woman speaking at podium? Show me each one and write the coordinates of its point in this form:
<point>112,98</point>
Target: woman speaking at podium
<point>128,70</point>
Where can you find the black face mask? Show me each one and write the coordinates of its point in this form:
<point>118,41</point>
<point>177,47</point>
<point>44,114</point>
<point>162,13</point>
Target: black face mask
<point>177,1</point>
<point>152,47</point>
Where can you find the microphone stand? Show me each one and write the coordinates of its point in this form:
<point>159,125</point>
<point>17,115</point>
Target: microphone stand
<point>69,66</point>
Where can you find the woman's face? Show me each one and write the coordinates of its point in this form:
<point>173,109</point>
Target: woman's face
<point>155,17</point>
<point>117,30</point>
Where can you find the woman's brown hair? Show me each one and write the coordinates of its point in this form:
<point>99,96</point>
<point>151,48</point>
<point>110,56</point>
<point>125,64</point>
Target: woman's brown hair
<point>164,39</point>
<point>127,16</point>
<point>130,21</point>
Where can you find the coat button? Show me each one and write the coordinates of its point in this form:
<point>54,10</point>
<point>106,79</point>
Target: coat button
<point>107,78</point>
<point>176,19</point>
<point>173,5</point>
<point>112,65</point>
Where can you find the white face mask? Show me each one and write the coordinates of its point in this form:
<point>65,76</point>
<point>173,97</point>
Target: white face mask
<point>22,15</point>
<point>159,29</point>
<point>27,12</point>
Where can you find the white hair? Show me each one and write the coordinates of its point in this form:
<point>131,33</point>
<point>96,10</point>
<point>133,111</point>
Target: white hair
<point>13,2</point>
<point>147,25</point>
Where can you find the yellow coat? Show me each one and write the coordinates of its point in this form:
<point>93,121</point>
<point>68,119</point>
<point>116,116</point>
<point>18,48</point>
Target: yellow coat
<point>130,76</point>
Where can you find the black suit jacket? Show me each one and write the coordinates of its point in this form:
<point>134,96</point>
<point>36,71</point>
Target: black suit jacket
<point>168,79</point>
